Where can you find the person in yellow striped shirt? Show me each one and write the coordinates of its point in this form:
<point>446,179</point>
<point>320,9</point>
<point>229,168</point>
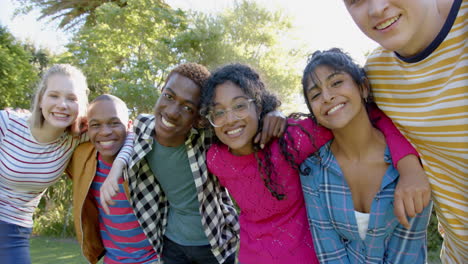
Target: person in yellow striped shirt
<point>420,79</point>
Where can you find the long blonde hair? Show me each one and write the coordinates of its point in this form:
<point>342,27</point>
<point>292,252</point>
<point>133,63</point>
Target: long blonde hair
<point>78,78</point>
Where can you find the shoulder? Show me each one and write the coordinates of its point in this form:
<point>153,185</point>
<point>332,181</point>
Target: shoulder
<point>305,131</point>
<point>7,118</point>
<point>144,119</point>
<point>215,150</point>
<point>143,123</point>
<point>85,147</point>
<point>215,157</point>
<point>83,152</point>
<point>379,55</point>
<point>320,158</point>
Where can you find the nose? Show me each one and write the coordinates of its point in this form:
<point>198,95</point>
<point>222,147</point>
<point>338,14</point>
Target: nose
<point>62,103</point>
<point>230,116</point>
<point>377,7</point>
<point>172,111</point>
<point>105,130</point>
<point>327,95</point>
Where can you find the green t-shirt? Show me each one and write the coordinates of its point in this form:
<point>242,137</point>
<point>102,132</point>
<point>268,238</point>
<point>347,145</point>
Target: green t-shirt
<point>171,167</point>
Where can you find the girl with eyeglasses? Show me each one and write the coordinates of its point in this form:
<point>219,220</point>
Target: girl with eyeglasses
<point>265,181</point>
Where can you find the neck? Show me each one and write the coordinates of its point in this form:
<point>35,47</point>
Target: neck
<point>436,17</point>
<point>358,139</point>
<point>46,134</point>
<point>169,143</point>
<point>107,159</point>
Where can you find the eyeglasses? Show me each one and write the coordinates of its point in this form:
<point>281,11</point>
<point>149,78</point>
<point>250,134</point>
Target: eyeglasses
<point>240,108</point>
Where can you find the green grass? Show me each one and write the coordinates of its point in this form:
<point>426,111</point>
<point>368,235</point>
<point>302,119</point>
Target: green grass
<point>45,250</point>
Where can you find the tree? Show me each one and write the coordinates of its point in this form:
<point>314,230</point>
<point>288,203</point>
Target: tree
<point>71,13</point>
<point>127,52</point>
<point>17,75</point>
<point>247,33</point>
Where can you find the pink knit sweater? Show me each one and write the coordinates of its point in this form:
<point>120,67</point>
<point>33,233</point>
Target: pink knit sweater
<point>272,231</point>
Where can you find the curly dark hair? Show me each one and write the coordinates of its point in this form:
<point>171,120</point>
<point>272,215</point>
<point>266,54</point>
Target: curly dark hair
<point>249,81</point>
<point>339,61</point>
<point>199,74</point>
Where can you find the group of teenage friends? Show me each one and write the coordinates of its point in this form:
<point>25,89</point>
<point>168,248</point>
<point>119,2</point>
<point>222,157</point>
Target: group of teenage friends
<point>339,184</point>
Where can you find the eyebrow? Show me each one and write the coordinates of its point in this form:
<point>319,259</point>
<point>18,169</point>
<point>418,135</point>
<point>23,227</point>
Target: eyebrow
<point>333,74</point>
<point>186,101</point>
<point>235,98</point>
<point>106,120</point>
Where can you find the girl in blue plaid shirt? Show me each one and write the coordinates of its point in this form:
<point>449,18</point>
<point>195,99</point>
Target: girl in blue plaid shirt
<point>349,183</point>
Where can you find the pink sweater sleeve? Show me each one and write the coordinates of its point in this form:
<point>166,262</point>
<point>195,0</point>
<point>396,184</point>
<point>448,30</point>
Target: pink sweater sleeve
<point>309,139</point>
<point>399,146</point>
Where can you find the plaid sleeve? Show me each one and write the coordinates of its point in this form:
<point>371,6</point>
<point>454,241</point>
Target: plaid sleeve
<point>410,245</point>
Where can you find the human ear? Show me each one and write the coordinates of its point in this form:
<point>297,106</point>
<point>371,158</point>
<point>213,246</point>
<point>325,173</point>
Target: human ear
<point>365,89</point>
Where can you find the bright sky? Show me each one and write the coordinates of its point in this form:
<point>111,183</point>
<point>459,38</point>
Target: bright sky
<point>321,24</point>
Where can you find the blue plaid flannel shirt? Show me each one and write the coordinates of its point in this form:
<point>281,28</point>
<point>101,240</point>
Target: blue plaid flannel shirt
<point>330,211</point>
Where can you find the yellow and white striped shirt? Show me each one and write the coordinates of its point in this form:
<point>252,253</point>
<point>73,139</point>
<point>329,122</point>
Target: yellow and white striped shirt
<point>427,97</point>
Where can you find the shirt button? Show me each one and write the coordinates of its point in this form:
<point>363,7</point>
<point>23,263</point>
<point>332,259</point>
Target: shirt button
<point>376,198</point>
<point>307,170</point>
<point>371,231</point>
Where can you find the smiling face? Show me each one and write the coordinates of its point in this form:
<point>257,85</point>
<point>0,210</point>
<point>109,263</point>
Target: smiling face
<point>59,104</point>
<point>404,26</point>
<point>176,110</point>
<point>108,124</point>
<point>334,97</point>
<point>236,133</point>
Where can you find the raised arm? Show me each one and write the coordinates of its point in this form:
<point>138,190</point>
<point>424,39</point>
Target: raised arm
<point>110,186</point>
<point>413,192</point>
<point>274,124</point>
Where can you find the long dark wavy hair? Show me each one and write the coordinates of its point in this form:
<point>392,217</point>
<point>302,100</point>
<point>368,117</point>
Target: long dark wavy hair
<point>249,81</point>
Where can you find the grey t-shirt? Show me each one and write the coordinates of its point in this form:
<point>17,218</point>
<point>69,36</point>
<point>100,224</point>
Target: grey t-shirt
<point>171,167</point>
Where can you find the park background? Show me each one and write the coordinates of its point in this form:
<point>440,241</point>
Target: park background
<point>127,47</point>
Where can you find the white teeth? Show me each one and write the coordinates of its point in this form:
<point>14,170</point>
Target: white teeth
<point>331,111</point>
<point>166,123</point>
<point>60,115</point>
<point>234,131</point>
<point>387,23</point>
<point>106,143</point>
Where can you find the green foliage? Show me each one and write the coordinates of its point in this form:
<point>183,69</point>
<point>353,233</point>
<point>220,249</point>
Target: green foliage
<point>71,13</point>
<point>434,240</point>
<point>127,51</point>
<point>53,217</point>
<point>17,75</point>
<point>247,33</point>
